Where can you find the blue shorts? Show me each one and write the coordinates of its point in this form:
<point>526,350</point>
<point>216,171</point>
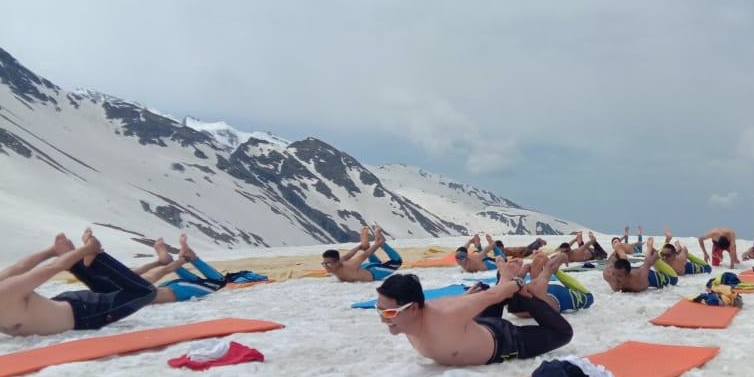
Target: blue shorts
<point>380,271</point>
<point>659,280</point>
<point>490,263</point>
<point>693,268</point>
<point>569,299</point>
<point>185,289</point>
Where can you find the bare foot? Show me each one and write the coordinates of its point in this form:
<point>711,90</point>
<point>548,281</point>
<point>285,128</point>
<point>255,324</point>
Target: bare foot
<point>639,229</point>
<point>625,231</point>
<point>379,238</point>
<point>186,253</point>
<point>477,241</point>
<point>668,234</point>
<point>554,263</point>
<point>508,270</point>
<point>488,237</point>
<point>537,264</point>
<point>650,244</point>
<point>591,237</point>
<point>163,256</point>
<point>62,245</point>
<point>364,238</point>
<point>678,246</point>
<point>580,237</point>
<point>93,246</point>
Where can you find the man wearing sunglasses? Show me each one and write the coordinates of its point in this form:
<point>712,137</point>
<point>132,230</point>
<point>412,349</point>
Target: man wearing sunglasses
<point>622,277</point>
<point>451,331</point>
<point>678,257</point>
<point>360,263</point>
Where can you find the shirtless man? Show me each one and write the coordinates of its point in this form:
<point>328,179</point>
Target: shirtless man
<point>352,266</point>
<point>722,239</point>
<point>678,257</point>
<point>622,277</point>
<point>590,250</point>
<point>450,331</point>
<point>188,285</point>
<point>479,260</point>
<point>116,292</point>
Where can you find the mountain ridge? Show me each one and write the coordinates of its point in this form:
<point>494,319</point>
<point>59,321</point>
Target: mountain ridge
<point>148,174</point>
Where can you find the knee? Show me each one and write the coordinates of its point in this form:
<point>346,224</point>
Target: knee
<point>566,334</point>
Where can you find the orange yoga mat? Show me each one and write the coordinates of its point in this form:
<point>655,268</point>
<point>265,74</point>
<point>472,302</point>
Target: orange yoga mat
<point>690,314</point>
<point>92,348</point>
<point>446,261</point>
<point>631,359</point>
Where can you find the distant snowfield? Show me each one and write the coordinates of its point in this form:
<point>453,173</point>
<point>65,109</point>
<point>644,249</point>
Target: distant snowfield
<point>324,337</point>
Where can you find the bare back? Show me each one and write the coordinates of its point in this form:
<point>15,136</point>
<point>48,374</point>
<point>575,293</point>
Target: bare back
<point>678,262</point>
<point>461,341</point>
<point>351,271</point>
<point>637,280</point>
<point>33,314</point>
<point>473,265</point>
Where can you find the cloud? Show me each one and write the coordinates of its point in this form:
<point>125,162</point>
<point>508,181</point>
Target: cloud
<point>500,90</point>
<point>718,200</point>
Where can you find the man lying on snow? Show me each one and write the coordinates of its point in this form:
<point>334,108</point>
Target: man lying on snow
<point>360,263</point>
<point>115,291</point>
<point>479,260</point>
<point>622,277</point>
<point>453,331</point>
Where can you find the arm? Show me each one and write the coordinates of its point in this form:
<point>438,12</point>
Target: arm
<point>650,260</point>
<point>466,307</point>
<point>25,283</point>
<point>668,235</point>
<point>732,251</point>
<point>351,253</point>
<point>607,273</point>
<point>701,244</point>
<point>620,251</point>
<point>26,264</point>
<point>359,258</point>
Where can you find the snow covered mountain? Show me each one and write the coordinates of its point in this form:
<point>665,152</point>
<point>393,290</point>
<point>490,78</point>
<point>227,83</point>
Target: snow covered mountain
<point>71,158</point>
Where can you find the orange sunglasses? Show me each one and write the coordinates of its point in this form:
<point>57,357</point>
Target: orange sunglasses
<point>392,312</point>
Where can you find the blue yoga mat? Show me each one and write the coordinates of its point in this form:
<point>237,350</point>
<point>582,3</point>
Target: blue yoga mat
<point>429,294</point>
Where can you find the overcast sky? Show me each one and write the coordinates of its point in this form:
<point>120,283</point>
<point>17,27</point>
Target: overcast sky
<point>608,113</point>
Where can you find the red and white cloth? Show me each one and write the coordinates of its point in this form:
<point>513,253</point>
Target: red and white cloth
<point>210,353</point>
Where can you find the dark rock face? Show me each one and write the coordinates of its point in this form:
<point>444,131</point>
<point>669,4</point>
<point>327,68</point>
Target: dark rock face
<point>23,82</point>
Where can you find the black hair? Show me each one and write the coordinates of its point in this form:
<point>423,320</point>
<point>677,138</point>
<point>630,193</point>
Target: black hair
<point>403,288</point>
<point>723,242</point>
<point>670,247</point>
<point>565,245</point>
<point>616,238</point>
<point>622,264</point>
<point>462,249</point>
<point>499,244</point>
<point>333,254</point>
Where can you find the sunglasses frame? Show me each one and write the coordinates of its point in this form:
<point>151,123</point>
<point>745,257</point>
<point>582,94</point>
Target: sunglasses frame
<point>397,310</point>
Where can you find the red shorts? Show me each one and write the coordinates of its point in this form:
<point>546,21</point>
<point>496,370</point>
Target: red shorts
<point>717,254</point>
